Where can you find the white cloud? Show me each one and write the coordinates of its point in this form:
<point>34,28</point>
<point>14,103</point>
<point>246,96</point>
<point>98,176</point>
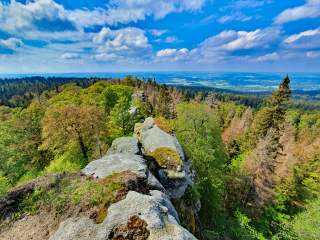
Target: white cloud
<point>173,54</point>
<point>240,4</point>
<point>129,42</point>
<point>237,16</point>
<point>311,9</point>
<point>306,39</point>
<point>171,39</point>
<point>104,57</point>
<point>11,43</point>
<point>166,52</point>
<point>158,32</point>
<point>124,11</point>
<point>313,54</point>
<point>233,40</point>
<point>23,19</point>
<point>253,39</point>
<point>69,56</point>
<point>222,46</point>
<point>269,57</point>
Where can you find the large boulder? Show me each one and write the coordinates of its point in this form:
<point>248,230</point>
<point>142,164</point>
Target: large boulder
<point>152,138</point>
<point>116,163</point>
<point>122,162</point>
<point>124,145</point>
<point>166,156</point>
<point>138,216</point>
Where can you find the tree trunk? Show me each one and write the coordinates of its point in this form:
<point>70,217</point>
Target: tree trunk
<point>83,148</point>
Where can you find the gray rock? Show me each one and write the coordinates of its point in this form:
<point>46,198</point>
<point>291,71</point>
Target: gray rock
<point>154,183</point>
<point>152,137</point>
<point>82,228</point>
<point>116,163</point>
<point>124,145</point>
<point>155,209</point>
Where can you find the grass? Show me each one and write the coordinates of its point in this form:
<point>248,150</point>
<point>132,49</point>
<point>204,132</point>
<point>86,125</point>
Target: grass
<point>75,192</point>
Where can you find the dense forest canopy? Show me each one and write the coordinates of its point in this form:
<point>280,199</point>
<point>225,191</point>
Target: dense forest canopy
<point>257,158</point>
<point>19,92</point>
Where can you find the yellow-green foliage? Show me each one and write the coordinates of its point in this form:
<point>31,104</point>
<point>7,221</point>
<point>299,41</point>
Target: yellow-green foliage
<point>74,191</point>
<point>306,224</point>
<point>166,158</point>
<point>163,124</point>
<point>4,185</point>
<point>70,161</point>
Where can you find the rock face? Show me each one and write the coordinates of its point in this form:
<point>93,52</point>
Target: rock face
<point>165,151</point>
<point>154,216</point>
<point>124,145</point>
<point>139,215</point>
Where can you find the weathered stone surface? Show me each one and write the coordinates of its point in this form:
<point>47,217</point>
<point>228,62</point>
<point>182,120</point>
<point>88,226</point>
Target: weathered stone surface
<point>152,138</point>
<point>156,210</point>
<point>81,228</point>
<point>156,216</point>
<point>174,171</point>
<point>116,163</point>
<point>124,145</point>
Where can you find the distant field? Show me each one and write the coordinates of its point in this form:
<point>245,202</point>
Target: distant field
<point>235,81</point>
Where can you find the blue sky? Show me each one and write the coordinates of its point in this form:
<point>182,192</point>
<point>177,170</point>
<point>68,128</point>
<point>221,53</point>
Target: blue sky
<point>162,35</point>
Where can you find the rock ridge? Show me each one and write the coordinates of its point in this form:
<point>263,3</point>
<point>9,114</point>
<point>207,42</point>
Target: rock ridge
<point>150,215</point>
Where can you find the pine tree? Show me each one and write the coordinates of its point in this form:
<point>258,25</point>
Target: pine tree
<point>262,162</point>
<point>272,116</point>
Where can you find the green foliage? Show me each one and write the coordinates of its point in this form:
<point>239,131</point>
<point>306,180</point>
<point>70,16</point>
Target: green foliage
<point>273,114</point>
<point>122,120</point>
<point>306,224</point>
<point>71,160</point>
<point>4,185</point>
<point>198,130</point>
<point>69,191</point>
<point>113,93</point>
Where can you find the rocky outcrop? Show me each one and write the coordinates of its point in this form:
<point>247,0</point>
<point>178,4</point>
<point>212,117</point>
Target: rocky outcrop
<point>124,145</point>
<point>138,215</point>
<point>139,178</point>
<point>166,156</point>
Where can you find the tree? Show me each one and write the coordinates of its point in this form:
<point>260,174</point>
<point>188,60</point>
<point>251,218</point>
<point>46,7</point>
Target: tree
<point>198,130</point>
<point>272,116</point>
<point>112,94</point>
<point>121,118</point>
<point>67,124</point>
<point>261,163</point>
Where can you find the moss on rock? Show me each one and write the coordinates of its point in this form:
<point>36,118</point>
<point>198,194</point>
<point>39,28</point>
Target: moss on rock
<point>166,158</point>
<point>163,124</point>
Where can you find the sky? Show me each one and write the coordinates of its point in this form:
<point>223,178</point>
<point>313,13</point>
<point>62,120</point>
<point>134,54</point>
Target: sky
<point>57,36</point>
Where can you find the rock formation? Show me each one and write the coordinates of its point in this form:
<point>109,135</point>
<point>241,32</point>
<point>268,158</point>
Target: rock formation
<point>155,172</point>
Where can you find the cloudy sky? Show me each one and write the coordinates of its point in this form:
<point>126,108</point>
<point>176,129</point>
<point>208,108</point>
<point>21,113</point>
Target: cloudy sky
<point>159,35</point>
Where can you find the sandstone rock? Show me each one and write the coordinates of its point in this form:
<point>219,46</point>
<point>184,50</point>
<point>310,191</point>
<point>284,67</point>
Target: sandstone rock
<point>149,217</point>
<point>124,145</point>
<point>174,171</point>
<point>81,228</point>
<point>152,137</point>
<point>116,163</point>
<point>156,210</point>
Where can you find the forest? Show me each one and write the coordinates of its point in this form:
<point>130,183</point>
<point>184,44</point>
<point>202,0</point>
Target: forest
<point>257,159</point>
